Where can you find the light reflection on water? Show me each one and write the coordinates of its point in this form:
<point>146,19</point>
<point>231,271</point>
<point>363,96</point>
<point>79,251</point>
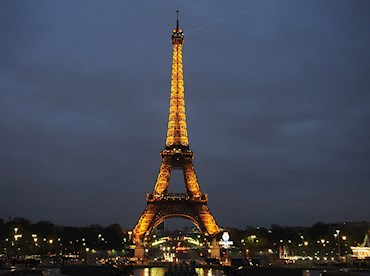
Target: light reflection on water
<point>208,272</point>
<point>159,271</point>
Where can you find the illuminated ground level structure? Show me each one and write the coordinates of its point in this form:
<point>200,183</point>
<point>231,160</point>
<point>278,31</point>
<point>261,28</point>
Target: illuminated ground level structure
<point>177,155</point>
<point>362,251</point>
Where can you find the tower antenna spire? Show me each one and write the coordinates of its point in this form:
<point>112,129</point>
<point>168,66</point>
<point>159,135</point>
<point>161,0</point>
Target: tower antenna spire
<point>177,20</point>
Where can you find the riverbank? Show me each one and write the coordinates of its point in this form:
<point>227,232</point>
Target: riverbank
<point>93,270</point>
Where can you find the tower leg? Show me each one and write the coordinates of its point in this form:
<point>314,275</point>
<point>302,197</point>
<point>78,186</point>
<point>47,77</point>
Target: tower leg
<point>191,181</point>
<point>163,178</point>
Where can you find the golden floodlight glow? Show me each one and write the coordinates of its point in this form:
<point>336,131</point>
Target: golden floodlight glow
<point>177,133</point>
<point>162,205</point>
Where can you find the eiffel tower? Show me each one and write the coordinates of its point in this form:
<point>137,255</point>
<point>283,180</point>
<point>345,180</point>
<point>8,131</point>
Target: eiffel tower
<point>176,155</point>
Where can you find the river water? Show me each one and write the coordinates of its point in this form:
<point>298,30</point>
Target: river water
<point>159,271</point>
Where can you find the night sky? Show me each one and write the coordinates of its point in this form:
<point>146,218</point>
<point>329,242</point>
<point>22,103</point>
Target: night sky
<point>277,96</point>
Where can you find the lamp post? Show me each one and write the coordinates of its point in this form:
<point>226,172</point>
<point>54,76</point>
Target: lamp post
<point>323,243</point>
<point>51,250</point>
<point>304,249</point>
<point>344,238</point>
<point>16,237</point>
<point>34,237</point>
<point>336,235</point>
<point>87,254</point>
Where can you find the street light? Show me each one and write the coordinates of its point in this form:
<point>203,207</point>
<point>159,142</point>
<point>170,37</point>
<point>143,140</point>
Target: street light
<point>336,235</point>
<point>87,252</point>
<point>34,236</point>
<point>16,235</point>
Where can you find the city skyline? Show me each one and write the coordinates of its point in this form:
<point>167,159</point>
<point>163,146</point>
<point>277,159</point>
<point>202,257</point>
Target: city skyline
<point>276,97</point>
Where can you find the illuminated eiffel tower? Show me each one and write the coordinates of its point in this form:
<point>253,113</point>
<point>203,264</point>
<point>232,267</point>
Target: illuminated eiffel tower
<point>162,205</point>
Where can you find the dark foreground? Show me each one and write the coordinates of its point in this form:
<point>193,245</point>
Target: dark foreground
<point>81,270</point>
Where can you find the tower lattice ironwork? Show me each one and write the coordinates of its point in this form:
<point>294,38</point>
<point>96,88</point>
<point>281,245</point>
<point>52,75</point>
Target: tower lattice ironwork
<point>162,205</point>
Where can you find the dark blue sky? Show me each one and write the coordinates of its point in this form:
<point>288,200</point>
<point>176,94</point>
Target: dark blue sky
<point>277,96</point>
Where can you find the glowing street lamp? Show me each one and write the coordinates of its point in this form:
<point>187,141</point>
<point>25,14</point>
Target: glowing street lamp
<point>87,252</point>
<point>336,235</point>
<point>34,236</point>
<point>16,235</point>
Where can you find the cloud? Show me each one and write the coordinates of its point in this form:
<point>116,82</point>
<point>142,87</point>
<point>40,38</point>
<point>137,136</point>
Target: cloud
<point>276,95</point>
